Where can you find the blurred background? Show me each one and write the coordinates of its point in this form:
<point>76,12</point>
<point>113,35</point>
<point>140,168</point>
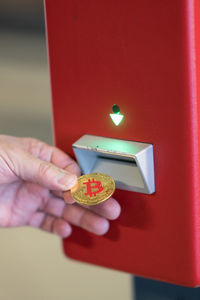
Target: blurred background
<point>32,263</point>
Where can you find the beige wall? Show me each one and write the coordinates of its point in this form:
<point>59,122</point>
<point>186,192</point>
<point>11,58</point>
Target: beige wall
<point>31,262</point>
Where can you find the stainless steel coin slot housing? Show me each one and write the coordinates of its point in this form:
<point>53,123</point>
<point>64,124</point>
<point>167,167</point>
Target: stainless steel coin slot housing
<point>130,164</point>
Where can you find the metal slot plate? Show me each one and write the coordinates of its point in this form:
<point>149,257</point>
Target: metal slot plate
<point>129,163</point>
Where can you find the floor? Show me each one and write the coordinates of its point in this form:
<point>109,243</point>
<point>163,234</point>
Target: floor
<point>32,263</point>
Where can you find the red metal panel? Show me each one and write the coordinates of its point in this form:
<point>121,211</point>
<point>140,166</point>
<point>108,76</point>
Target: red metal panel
<point>140,55</point>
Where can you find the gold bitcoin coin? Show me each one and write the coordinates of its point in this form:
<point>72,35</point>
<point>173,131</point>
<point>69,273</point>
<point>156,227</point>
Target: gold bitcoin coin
<point>92,189</point>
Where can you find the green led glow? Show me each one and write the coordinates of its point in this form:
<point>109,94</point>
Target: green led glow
<point>116,118</point>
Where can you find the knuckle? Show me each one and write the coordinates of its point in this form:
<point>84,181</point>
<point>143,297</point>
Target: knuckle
<point>34,146</point>
<point>44,169</point>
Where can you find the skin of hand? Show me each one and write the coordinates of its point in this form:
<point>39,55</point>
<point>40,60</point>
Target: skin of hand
<point>33,177</point>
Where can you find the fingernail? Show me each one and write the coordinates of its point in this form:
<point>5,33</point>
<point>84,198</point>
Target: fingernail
<point>66,181</point>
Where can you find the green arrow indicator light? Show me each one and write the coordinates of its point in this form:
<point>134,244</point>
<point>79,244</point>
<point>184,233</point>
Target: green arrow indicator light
<point>116,116</point>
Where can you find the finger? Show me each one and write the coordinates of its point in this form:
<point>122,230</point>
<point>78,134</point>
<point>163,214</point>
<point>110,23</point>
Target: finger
<point>53,155</point>
<point>32,169</point>
<point>55,207</point>
<point>49,153</point>
<point>85,219</point>
<point>62,228</point>
<point>64,161</point>
<point>36,219</point>
<point>64,195</point>
<point>75,215</point>
<point>68,198</point>
<point>110,209</point>
<point>51,224</point>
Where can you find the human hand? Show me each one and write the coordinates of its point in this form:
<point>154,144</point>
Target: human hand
<point>33,176</point>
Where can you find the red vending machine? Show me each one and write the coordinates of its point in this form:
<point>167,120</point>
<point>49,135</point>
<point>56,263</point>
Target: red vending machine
<point>135,63</point>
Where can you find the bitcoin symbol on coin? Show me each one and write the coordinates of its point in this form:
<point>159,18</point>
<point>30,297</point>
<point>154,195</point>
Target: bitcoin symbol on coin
<point>90,186</point>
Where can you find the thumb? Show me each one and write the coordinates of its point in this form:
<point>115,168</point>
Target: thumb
<point>46,174</point>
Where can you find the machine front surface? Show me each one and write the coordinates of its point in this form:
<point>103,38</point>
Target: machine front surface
<point>136,54</point>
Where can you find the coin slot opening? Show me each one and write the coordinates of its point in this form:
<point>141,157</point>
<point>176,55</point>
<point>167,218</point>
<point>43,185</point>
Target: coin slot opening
<point>123,171</point>
<point>125,159</point>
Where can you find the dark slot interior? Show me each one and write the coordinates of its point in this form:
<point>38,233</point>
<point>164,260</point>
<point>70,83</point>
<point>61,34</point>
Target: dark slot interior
<point>125,160</point>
